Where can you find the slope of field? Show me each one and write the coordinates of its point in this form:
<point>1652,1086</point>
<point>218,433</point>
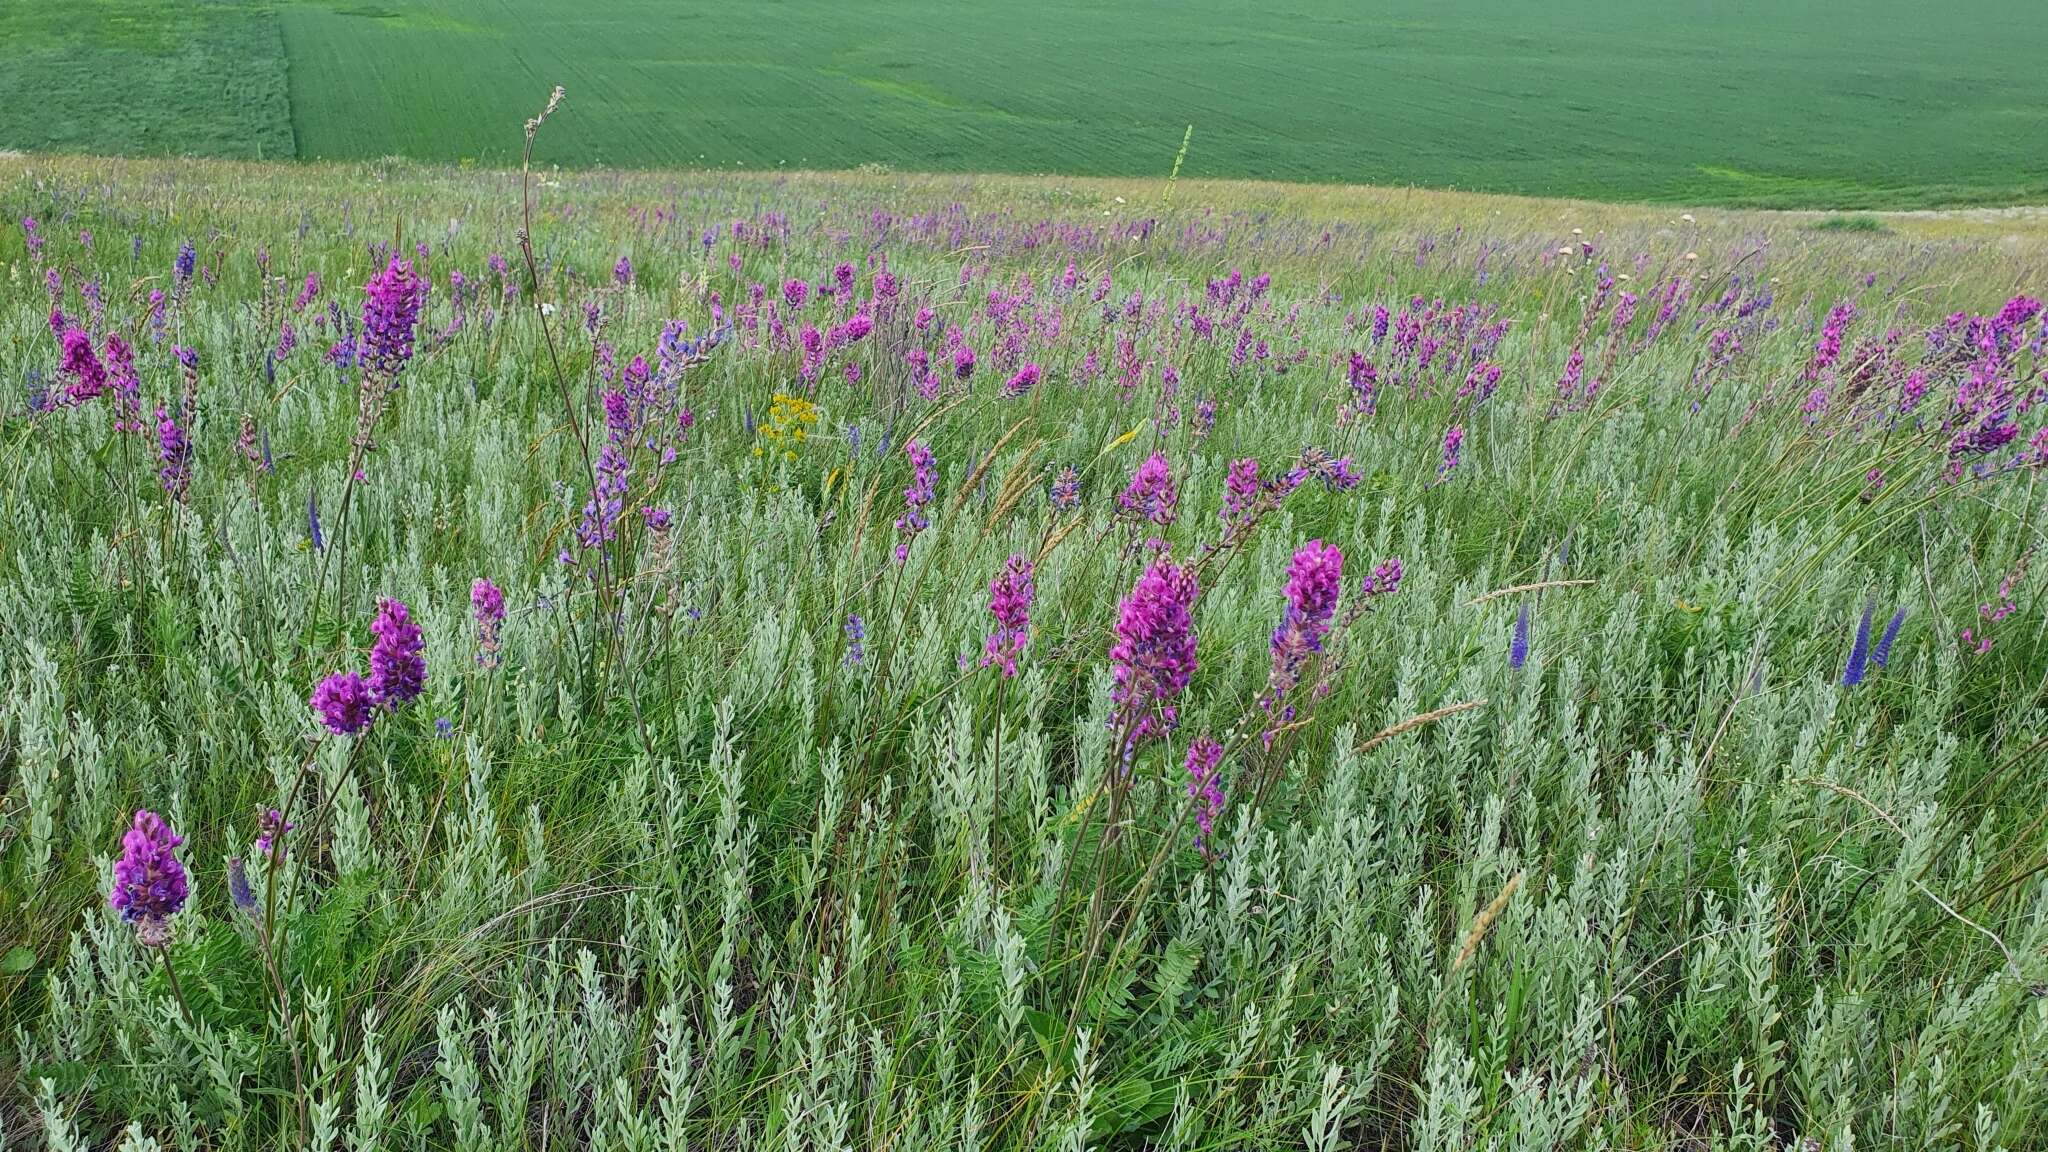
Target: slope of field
<point>1789,104</point>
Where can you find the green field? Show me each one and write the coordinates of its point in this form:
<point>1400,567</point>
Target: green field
<point>1795,104</point>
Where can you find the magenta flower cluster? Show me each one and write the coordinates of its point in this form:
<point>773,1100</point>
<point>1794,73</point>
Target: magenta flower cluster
<point>149,882</point>
<point>1151,495</point>
<point>1009,601</point>
<point>346,704</point>
<point>924,475</point>
<point>391,313</point>
<point>1154,655</point>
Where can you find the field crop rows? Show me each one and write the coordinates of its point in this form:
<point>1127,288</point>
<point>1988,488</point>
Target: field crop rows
<point>1781,105</point>
<point>1486,674</point>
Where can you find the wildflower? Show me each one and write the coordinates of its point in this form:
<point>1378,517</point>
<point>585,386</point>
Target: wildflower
<point>1023,382</point>
<point>1154,655</point>
<point>1385,579</point>
<point>924,475</point>
<point>1859,652</point>
<point>344,704</point>
<point>313,520</point>
<point>856,631</point>
<point>271,827</point>
<point>963,362</point>
<point>1882,654</point>
<point>1518,647</point>
<point>1066,490</point>
<point>149,882</point>
<point>795,292</point>
<point>1315,579</point>
<point>489,604</point>
<point>622,272</point>
<point>391,310</point>
<point>1009,601</point>
<point>1453,441</point>
<point>398,662</point>
<point>1240,492</point>
<point>239,891</point>
<point>1151,494</point>
<point>1205,788</point>
<point>188,260</point>
<point>81,364</point>
<point>1830,347</point>
<point>174,454</point>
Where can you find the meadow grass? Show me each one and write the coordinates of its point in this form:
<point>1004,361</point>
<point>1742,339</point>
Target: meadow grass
<point>1593,831</point>
<point>1780,105</point>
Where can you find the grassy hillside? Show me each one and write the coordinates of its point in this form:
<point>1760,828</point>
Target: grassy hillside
<point>1488,673</point>
<point>1786,104</point>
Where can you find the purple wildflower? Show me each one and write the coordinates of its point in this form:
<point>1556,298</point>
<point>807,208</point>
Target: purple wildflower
<point>1882,654</point>
<point>398,661</point>
<point>344,704</point>
<point>271,828</point>
<point>1023,382</point>
<point>391,311</point>
<point>174,454</point>
<point>1453,441</point>
<point>1154,655</point>
<point>1518,647</point>
<point>1205,787</point>
<point>1859,651</point>
<point>1009,601</point>
<point>1066,490</point>
<point>924,475</point>
<point>149,882</point>
<point>1151,494</point>
<point>488,601</point>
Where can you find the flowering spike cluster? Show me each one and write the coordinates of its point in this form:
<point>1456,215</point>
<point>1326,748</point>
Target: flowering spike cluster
<point>1023,382</point>
<point>924,475</point>
<point>343,704</point>
<point>80,363</point>
<point>1518,647</point>
<point>1151,494</point>
<point>1009,601</point>
<point>149,882</point>
<point>391,312</point>
<point>271,828</point>
<point>1882,654</point>
<point>1066,490</point>
<point>489,604</point>
<point>1205,788</point>
<point>1454,440</point>
<point>1859,651</point>
<point>174,455</point>
<point>1154,655</point>
<point>1315,580</point>
<point>398,661</point>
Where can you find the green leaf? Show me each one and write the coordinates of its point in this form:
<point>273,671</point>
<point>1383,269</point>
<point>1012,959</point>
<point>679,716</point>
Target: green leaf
<point>18,960</point>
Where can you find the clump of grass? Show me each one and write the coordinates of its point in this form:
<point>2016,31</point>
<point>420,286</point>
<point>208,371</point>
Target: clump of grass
<point>1851,223</point>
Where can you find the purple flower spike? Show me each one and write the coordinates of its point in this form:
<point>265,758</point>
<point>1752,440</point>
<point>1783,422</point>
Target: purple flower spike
<point>1009,601</point>
<point>398,661</point>
<point>1154,655</point>
<point>344,704</point>
<point>149,882</point>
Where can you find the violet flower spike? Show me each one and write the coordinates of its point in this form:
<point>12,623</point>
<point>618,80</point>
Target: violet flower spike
<point>398,662</point>
<point>1859,651</point>
<point>149,883</point>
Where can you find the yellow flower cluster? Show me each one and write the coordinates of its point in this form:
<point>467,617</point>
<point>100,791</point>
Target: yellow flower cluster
<point>789,419</point>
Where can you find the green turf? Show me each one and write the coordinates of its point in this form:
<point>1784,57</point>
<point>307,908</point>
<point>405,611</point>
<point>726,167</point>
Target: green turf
<point>202,78</point>
<point>1793,104</point>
